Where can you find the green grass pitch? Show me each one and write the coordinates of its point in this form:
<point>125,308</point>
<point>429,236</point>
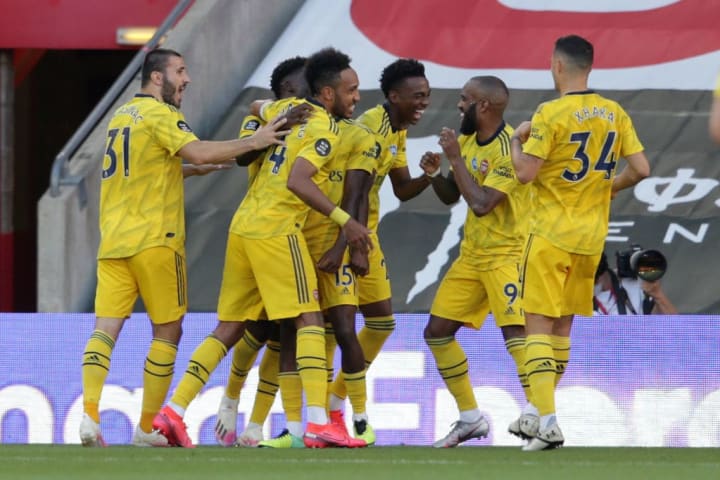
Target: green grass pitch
<point>377,463</point>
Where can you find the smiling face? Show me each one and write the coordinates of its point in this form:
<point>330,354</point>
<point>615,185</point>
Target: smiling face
<point>346,94</point>
<point>470,95</point>
<point>174,81</point>
<point>410,99</point>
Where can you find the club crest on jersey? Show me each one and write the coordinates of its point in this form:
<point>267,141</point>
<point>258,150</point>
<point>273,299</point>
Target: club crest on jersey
<point>184,126</point>
<point>252,125</point>
<point>484,165</point>
<point>393,149</point>
<point>322,147</point>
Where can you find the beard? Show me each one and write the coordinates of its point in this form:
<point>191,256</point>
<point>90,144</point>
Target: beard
<point>339,109</point>
<point>168,93</point>
<point>468,125</point>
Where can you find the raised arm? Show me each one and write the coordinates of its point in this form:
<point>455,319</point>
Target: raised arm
<point>480,199</point>
<point>526,166</point>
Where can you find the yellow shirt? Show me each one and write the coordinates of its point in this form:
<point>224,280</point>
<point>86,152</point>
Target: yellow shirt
<point>250,125</point>
<point>269,209</point>
<point>581,136</point>
<point>356,151</point>
<point>141,191</point>
<point>391,154</point>
<point>497,238</point>
<point>717,87</point>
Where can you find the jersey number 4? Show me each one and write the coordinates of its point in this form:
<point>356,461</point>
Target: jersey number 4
<point>278,158</point>
<point>110,152</point>
<point>602,164</point>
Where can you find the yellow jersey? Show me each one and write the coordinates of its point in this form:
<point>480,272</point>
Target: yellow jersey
<point>269,209</point>
<point>390,154</point>
<point>497,238</point>
<point>581,137</point>
<point>250,125</point>
<point>356,151</point>
<point>717,88</point>
<point>141,192</point>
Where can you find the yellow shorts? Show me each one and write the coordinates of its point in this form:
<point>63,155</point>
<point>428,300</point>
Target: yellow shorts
<point>339,288</point>
<point>375,286</point>
<point>556,282</point>
<point>467,294</point>
<point>157,274</point>
<point>275,273</point>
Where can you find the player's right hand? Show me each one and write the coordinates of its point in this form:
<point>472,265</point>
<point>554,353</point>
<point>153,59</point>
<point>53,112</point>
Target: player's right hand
<point>430,162</point>
<point>271,134</point>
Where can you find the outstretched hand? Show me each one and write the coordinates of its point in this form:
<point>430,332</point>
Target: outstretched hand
<point>271,134</point>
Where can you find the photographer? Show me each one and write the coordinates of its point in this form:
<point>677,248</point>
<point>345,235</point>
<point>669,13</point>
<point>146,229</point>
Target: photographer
<point>634,289</point>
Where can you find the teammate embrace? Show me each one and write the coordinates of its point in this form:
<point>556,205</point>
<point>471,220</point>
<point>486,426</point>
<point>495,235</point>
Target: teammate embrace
<point>303,254</point>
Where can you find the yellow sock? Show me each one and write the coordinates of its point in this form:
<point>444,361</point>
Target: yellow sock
<point>291,395</point>
<point>540,368</point>
<point>203,362</point>
<point>516,348</point>
<point>311,365</point>
<point>453,367</point>
<point>267,384</point>
<point>357,390</point>
<point>561,350</point>
<point>371,337</point>
<point>95,367</point>
<point>159,369</point>
<point>330,346</point>
<point>244,354</point>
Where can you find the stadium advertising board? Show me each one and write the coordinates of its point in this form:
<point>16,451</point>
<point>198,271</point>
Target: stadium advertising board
<point>632,381</point>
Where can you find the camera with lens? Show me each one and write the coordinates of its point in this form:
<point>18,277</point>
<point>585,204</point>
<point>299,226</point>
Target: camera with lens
<point>649,265</point>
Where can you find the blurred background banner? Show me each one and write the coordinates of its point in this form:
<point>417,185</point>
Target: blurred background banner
<point>632,381</point>
<point>658,58</point>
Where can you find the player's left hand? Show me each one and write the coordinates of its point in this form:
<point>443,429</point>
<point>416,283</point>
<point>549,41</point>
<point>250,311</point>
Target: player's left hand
<point>331,261</point>
<point>448,142</point>
<point>359,263</point>
<point>523,131</point>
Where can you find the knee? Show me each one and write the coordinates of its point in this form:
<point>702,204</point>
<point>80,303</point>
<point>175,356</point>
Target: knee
<point>344,333</point>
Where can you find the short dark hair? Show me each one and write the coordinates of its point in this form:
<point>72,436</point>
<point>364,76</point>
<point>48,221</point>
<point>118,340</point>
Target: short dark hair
<point>156,61</point>
<point>282,70</point>
<point>323,69</point>
<point>399,70</point>
<point>578,50</point>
